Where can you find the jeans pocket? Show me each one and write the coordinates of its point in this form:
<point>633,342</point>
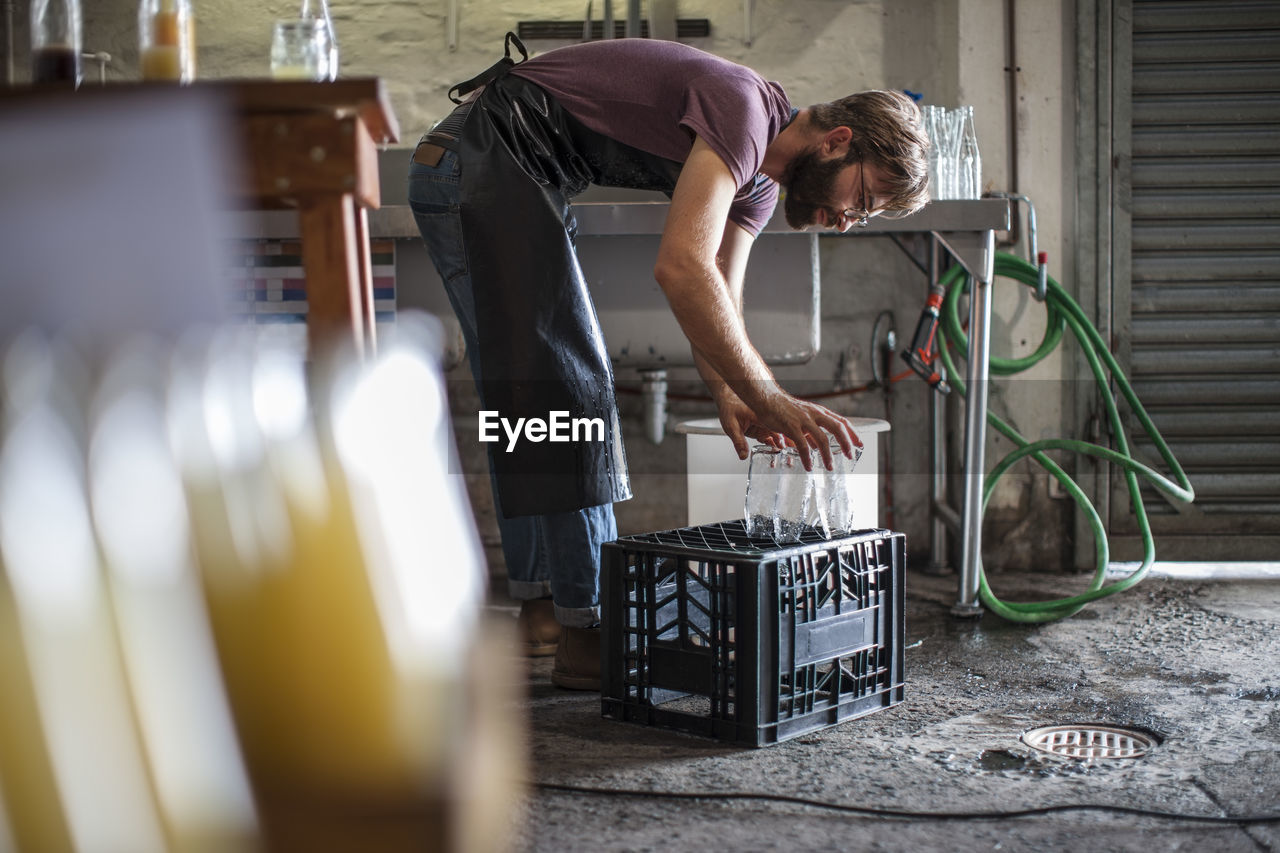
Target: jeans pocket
<point>441,230</point>
<point>434,196</point>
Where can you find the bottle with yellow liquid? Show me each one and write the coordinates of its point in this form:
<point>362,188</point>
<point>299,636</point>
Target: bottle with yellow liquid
<point>166,40</point>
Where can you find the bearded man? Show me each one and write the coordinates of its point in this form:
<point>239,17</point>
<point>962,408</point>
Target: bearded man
<point>491,188</point>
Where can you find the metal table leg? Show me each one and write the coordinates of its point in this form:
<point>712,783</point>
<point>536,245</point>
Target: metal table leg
<point>941,515</point>
<point>978,256</point>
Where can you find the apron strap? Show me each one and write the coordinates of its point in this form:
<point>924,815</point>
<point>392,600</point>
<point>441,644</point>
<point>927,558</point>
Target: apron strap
<point>491,73</point>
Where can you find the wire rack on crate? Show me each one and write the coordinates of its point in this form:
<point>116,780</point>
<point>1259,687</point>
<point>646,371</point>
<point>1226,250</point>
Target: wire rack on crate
<point>710,631</point>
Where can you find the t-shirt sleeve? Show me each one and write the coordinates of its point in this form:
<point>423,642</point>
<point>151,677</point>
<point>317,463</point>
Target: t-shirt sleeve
<point>729,112</point>
<point>753,205</point>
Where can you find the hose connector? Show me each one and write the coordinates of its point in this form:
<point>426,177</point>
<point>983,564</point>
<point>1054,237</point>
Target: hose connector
<point>1042,272</point>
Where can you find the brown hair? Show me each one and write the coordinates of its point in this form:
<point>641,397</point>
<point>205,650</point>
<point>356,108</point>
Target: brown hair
<point>889,132</point>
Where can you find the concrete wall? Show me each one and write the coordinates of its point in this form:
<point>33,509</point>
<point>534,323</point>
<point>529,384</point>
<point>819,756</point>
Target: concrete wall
<point>951,51</point>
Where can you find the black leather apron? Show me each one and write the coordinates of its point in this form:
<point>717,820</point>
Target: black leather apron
<point>541,348</point>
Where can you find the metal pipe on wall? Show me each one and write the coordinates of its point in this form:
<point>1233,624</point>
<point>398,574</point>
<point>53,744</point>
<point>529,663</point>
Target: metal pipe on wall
<point>1011,70</point>
<point>6,67</point>
<point>654,390</point>
<point>633,19</point>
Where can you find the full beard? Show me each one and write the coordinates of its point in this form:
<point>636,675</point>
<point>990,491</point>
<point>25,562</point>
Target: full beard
<point>808,183</point>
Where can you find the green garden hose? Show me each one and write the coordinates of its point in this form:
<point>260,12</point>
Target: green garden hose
<point>1064,312</point>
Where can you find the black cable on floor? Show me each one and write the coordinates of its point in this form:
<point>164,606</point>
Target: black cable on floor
<point>897,813</point>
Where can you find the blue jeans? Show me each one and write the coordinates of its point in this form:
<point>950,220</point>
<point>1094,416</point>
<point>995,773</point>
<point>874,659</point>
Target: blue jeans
<point>558,553</point>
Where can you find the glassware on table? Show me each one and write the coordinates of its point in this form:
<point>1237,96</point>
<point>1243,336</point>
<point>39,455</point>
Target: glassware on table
<point>933,116</point>
<point>319,10</point>
<point>55,42</point>
<point>299,50</point>
<point>947,174</point>
<point>955,165</point>
<point>166,40</point>
<point>968,159</point>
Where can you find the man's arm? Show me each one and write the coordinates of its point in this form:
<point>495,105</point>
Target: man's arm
<point>737,418</point>
<point>699,291</point>
<point>731,261</point>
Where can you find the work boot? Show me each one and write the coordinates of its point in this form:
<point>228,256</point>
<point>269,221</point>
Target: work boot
<point>578,659</point>
<point>537,626</point>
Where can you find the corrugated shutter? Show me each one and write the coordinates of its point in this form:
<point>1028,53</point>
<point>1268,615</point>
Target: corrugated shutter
<point>1200,326</point>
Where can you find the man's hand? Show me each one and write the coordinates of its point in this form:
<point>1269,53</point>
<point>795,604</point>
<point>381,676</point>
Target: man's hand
<point>740,423</point>
<point>804,425</point>
<point>788,421</point>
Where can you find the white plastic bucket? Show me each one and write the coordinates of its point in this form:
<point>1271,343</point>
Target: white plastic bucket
<point>716,479</point>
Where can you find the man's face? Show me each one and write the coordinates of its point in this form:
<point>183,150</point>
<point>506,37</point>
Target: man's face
<point>820,191</point>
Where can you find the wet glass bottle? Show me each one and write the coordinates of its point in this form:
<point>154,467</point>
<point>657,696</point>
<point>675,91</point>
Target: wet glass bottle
<point>55,42</point>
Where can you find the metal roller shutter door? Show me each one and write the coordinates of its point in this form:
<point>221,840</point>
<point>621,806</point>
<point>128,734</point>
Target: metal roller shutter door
<point>1199,328</point>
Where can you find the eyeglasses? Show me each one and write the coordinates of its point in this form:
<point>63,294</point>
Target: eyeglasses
<point>860,218</point>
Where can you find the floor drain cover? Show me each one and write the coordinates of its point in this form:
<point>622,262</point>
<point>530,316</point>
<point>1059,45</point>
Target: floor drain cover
<point>1090,741</point>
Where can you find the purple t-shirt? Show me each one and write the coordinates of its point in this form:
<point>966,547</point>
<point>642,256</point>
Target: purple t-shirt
<point>656,95</point>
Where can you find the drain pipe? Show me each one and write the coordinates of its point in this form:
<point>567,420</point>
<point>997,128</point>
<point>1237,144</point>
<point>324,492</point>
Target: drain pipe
<point>6,69</point>
<point>1012,69</point>
<point>654,391</point>
<point>633,19</point>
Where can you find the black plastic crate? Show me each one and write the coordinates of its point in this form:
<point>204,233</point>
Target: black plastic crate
<point>706,630</point>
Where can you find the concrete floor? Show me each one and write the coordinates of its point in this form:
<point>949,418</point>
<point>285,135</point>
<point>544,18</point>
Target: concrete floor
<point>1196,664</point>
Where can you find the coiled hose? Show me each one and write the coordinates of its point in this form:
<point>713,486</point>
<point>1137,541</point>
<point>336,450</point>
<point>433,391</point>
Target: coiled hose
<point>1063,313</point>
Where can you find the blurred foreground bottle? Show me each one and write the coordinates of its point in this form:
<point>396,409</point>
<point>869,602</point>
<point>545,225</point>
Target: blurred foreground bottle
<point>143,528</point>
<point>343,578</point>
<point>166,40</point>
<point>241,606</point>
<point>55,42</point>
<point>72,767</point>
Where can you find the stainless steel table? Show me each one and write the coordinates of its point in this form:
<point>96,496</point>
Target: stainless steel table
<point>967,230</point>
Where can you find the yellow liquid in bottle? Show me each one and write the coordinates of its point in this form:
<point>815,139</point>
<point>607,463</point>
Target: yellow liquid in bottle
<point>319,701</point>
<point>27,786</point>
<point>161,63</point>
<point>170,52</point>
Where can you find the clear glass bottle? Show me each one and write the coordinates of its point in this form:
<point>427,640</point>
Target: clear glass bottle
<point>166,40</point>
<point>933,117</point>
<point>55,42</point>
<point>970,161</point>
<point>319,10</point>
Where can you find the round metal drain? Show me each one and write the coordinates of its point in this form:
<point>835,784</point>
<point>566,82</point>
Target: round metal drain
<point>1090,741</point>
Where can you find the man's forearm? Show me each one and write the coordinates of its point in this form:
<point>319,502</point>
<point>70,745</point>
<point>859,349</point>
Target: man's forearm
<point>700,266</point>
<point>715,384</point>
<point>722,352</point>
